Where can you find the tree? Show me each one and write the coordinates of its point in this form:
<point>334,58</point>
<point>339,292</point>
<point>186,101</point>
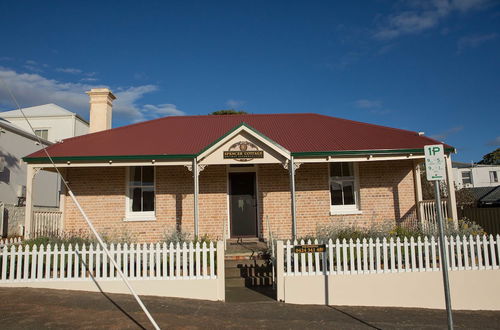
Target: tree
<point>492,158</point>
<point>229,112</point>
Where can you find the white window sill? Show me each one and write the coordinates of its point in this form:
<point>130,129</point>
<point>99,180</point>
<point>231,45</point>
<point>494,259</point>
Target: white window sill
<point>345,212</point>
<point>139,217</point>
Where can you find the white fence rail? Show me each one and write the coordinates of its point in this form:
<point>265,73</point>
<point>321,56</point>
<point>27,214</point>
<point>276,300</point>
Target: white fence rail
<point>46,223</point>
<point>392,255</point>
<point>137,261</point>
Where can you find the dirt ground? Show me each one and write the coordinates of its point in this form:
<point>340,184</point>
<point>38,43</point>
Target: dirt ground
<point>23,308</point>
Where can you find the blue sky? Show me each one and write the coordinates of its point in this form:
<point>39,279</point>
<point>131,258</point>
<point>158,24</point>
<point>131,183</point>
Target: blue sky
<point>431,66</point>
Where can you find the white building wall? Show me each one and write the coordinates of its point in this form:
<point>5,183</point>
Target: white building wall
<point>58,127</point>
<point>480,176</point>
<point>13,147</point>
<point>81,127</point>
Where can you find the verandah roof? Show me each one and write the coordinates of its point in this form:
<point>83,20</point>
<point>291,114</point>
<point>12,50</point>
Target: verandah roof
<point>186,136</point>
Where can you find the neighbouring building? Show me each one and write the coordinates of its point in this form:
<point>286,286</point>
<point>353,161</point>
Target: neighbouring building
<point>242,176</point>
<point>469,175</point>
<point>50,121</point>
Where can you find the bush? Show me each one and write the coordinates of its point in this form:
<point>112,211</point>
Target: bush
<point>66,238</point>
<point>177,236</point>
<point>335,231</point>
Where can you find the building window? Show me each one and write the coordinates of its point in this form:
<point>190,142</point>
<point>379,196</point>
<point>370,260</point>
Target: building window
<point>466,177</point>
<point>493,176</point>
<point>344,190</point>
<point>42,133</point>
<point>141,193</point>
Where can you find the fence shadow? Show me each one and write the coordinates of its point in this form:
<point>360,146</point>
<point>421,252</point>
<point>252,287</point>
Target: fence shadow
<point>354,318</point>
<point>130,317</point>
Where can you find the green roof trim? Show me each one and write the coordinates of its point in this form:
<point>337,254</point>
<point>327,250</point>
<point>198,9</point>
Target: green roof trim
<point>105,158</point>
<point>362,152</point>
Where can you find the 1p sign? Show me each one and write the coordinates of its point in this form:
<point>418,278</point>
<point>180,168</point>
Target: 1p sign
<point>434,162</point>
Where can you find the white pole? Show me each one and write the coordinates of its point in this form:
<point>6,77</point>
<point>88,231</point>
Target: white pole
<point>444,257</point>
<point>110,257</point>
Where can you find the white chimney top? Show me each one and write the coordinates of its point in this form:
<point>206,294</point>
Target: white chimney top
<point>101,107</point>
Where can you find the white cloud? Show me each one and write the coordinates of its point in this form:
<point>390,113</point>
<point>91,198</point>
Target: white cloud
<point>495,142</point>
<point>33,89</point>
<point>162,110</point>
<point>444,135</point>
<point>234,104</point>
<point>473,41</point>
<point>423,15</point>
<point>69,70</point>
<point>367,104</point>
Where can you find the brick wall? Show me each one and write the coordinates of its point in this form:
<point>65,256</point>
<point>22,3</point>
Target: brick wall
<point>101,192</point>
<point>386,193</point>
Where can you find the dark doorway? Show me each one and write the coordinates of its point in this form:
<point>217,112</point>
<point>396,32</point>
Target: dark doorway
<point>243,204</point>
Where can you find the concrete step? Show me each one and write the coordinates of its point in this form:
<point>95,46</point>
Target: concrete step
<point>244,263</point>
<point>248,282</point>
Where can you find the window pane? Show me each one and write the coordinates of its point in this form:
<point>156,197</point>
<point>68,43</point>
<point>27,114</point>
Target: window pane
<point>148,174</point>
<point>135,199</point>
<point>466,177</point>
<point>347,169</point>
<point>135,176</point>
<point>336,193</point>
<point>148,199</point>
<point>493,176</point>
<point>348,192</point>
<point>335,169</point>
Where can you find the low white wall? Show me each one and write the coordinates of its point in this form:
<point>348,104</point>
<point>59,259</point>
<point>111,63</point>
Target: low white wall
<point>205,289</point>
<point>470,290</point>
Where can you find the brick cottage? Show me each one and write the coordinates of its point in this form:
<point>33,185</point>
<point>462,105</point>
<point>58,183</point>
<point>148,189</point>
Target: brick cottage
<point>235,175</point>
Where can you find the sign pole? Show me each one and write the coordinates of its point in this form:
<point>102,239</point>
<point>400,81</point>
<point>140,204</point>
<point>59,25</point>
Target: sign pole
<point>444,256</point>
<point>435,171</point>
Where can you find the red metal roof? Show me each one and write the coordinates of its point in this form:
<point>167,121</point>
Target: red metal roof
<point>189,135</point>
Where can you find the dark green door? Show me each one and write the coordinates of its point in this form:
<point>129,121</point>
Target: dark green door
<point>243,204</point>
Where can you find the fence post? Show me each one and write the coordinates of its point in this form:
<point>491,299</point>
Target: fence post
<point>221,278</point>
<point>280,268</point>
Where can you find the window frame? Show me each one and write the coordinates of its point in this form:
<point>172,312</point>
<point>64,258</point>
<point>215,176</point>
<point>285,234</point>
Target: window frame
<point>138,215</point>
<point>470,177</point>
<point>493,177</point>
<point>346,209</point>
<point>42,129</point>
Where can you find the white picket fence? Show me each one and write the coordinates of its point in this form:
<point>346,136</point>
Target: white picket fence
<point>10,241</point>
<point>392,255</point>
<point>137,261</point>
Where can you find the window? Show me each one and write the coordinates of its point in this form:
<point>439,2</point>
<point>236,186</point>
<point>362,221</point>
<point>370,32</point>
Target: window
<point>42,133</point>
<point>141,193</point>
<point>343,188</point>
<point>466,177</point>
<point>493,176</point>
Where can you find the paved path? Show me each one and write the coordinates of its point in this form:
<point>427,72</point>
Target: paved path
<point>58,309</point>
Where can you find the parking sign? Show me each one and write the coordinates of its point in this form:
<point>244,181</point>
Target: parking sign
<point>434,162</point>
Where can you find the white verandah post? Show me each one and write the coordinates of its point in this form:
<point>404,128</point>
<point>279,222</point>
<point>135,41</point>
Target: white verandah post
<point>450,185</point>
<point>291,168</point>
<point>418,191</point>
<point>28,212</point>
<point>196,193</point>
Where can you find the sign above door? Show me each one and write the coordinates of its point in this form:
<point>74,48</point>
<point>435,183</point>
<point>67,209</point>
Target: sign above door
<point>243,151</point>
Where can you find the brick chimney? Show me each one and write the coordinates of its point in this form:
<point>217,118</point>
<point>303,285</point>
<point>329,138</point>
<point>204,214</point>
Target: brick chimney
<point>101,107</point>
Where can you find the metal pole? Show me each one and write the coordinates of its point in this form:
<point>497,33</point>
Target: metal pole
<point>196,189</point>
<point>291,168</point>
<point>444,257</point>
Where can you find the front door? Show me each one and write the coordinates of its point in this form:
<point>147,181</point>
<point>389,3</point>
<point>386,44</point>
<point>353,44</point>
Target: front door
<point>243,204</point>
